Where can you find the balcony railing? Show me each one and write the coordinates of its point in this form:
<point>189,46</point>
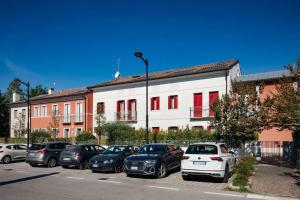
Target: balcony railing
<point>130,116</point>
<point>200,112</point>
<point>78,118</point>
<point>66,119</point>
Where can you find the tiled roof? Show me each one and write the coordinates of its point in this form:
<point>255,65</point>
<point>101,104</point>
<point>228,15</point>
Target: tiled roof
<point>218,66</point>
<point>62,93</point>
<point>274,75</point>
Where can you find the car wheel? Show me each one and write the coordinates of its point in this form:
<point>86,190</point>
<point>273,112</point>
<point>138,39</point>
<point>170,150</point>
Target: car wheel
<point>32,165</point>
<point>185,177</point>
<point>119,167</point>
<point>226,174</point>
<point>52,162</point>
<point>6,159</point>
<point>83,165</point>
<point>161,170</point>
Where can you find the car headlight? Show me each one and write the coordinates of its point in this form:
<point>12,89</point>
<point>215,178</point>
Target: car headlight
<point>150,161</point>
<point>108,161</point>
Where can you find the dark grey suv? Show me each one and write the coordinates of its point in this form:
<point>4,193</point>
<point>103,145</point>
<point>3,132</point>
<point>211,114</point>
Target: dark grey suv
<point>45,154</point>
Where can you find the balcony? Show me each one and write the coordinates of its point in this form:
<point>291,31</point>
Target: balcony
<point>130,116</point>
<point>201,113</point>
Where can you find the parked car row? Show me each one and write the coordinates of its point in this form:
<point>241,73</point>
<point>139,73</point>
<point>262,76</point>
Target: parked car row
<point>201,159</point>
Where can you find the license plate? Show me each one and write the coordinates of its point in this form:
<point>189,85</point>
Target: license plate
<point>134,168</point>
<point>199,163</point>
<point>66,158</point>
<point>94,165</point>
<point>31,154</point>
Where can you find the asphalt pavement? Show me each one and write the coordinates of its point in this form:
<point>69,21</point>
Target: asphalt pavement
<point>20,181</point>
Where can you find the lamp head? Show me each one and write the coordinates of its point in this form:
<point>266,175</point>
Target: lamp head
<point>138,54</point>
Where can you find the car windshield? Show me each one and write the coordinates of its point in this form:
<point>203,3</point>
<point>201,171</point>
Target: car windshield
<point>37,147</point>
<point>71,148</point>
<point>152,149</point>
<point>114,150</point>
<point>202,149</point>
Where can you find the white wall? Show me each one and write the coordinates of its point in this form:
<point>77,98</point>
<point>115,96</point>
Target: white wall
<point>13,121</point>
<point>184,87</point>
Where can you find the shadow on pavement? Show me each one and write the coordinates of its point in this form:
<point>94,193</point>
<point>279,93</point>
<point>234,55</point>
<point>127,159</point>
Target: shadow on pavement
<point>27,178</point>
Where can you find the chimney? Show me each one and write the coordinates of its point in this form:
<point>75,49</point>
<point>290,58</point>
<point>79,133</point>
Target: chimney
<point>15,97</point>
<point>50,90</point>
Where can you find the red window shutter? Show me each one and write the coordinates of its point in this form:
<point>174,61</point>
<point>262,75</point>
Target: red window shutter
<point>129,105</point>
<point>152,103</point>
<point>169,102</point>
<point>118,106</point>
<point>209,129</point>
<point>157,103</point>
<point>135,104</point>
<point>213,96</point>
<point>176,102</point>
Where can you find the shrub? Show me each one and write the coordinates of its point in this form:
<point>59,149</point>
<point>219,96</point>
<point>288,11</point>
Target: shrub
<point>85,136</point>
<point>40,136</point>
<point>244,170</point>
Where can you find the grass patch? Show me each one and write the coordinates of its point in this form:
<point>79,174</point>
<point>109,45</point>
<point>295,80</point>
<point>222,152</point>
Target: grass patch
<point>243,170</point>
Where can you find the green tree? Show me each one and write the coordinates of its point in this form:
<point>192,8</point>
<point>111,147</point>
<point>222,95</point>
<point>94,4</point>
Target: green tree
<point>14,86</point>
<point>4,115</point>
<point>37,90</point>
<point>238,115</point>
<point>283,104</point>
<point>100,121</point>
<point>19,126</point>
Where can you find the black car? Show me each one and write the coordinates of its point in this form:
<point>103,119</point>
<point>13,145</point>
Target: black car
<point>79,155</point>
<point>112,159</point>
<point>154,159</point>
<point>45,153</point>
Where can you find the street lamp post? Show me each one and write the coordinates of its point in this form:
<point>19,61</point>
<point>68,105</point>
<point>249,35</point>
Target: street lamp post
<point>28,110</point>
<point>145,60</point>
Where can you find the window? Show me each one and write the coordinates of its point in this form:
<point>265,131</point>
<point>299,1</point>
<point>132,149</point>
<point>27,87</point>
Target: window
<point>66,132</point>
<point>213,96</point>
<point>173,129</point>
<point>173,102</point>
<point>202,149</point>
<point>155,103</point>
<point>54,132</point>
<point>43,111</point>
<point>36,111</point>
<point>155,129</point>
<point>78,131</point>
<point>15,114</point>
<point>24,112</point>
<point>67,118</point>
<point>100,108</point>
<point>79,115</point>
<point>121,110</point>
<point>131,109</point>
<point>223,148</point>
<point>54,110</point>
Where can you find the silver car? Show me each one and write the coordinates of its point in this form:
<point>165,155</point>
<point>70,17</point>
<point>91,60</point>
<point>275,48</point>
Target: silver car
<point>12,152</point>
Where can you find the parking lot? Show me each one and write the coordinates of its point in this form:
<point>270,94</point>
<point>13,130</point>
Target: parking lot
<point>19,180</point>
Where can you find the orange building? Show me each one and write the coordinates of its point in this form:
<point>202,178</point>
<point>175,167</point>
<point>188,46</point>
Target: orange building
<point>65,113</point>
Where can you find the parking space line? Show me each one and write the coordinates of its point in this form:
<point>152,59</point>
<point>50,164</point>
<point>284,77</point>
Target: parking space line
<point>23,172</point>
<point>224,194</point>
<point>109,181</point>
<point>77,178</point>
<point>159,187</point>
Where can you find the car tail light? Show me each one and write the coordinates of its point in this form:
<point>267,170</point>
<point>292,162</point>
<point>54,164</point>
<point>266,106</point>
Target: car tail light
<point>77,154</point>
<point>185,157</point>
<point>42,151</point>
<point>216,158</point>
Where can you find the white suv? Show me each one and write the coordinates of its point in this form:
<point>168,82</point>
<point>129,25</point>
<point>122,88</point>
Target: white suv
<point>208,159</point>
<point>12,152</point>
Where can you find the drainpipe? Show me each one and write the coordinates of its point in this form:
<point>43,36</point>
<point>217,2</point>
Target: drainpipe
<point>226,74</point>
<point>85,113</point>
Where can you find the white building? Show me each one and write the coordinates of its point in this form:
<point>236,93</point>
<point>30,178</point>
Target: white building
<point>18,115</point>
<point>177,98</point>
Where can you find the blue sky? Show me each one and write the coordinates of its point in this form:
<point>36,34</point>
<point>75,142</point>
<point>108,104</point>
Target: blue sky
<point>75,43</point>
